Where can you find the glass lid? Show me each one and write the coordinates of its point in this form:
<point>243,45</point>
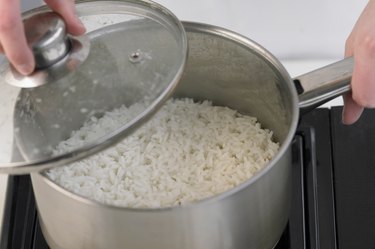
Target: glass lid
<point>124,68</point>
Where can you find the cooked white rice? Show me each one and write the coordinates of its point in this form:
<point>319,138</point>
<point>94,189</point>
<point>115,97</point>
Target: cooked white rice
<point>187,152</point>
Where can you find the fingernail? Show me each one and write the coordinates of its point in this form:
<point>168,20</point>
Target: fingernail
<point>343,118</point>
<point>81,24</point>
<point>25,69</point>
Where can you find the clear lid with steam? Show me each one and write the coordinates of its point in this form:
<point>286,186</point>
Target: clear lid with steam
<point>133,53</point>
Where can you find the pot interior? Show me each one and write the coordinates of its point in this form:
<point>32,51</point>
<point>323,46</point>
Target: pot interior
<point>233,71</point>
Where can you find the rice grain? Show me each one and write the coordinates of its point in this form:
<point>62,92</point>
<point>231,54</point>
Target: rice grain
<point>187,152</point>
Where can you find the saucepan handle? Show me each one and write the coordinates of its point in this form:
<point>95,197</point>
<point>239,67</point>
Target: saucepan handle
<point>321,85</point>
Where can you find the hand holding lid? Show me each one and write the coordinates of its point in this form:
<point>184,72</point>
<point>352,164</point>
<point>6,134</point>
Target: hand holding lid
<point>46,35</point>
<point>55,52</point>
<point>133,53</point>
<point>12,39</point>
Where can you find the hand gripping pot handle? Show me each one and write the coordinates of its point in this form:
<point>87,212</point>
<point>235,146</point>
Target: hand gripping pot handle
<point>321,85</point>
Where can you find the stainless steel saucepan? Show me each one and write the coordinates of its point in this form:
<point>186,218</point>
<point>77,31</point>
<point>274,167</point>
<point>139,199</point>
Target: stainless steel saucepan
<point>230,70</point>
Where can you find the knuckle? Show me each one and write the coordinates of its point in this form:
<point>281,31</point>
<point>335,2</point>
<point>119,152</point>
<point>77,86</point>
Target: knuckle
<point>364,100</point>
<point>348,48</point>
<point>349,43</point>
<point>368,44</point>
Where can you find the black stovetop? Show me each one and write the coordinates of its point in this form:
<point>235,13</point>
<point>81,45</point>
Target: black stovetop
<point>333,205</point>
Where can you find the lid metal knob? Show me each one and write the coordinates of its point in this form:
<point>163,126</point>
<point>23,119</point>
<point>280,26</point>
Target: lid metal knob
<point>47,37</point>
<point>56,53</point>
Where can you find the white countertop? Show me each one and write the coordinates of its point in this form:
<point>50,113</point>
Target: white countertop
<point>294,67</point>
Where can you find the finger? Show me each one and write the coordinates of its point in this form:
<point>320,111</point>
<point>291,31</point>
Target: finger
<point>12,37</point>
<point>352,111</point>
<point>66,9</point>
<point>363,78</point>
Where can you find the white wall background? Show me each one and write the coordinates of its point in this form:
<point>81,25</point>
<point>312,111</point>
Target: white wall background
<point>291,29</point>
